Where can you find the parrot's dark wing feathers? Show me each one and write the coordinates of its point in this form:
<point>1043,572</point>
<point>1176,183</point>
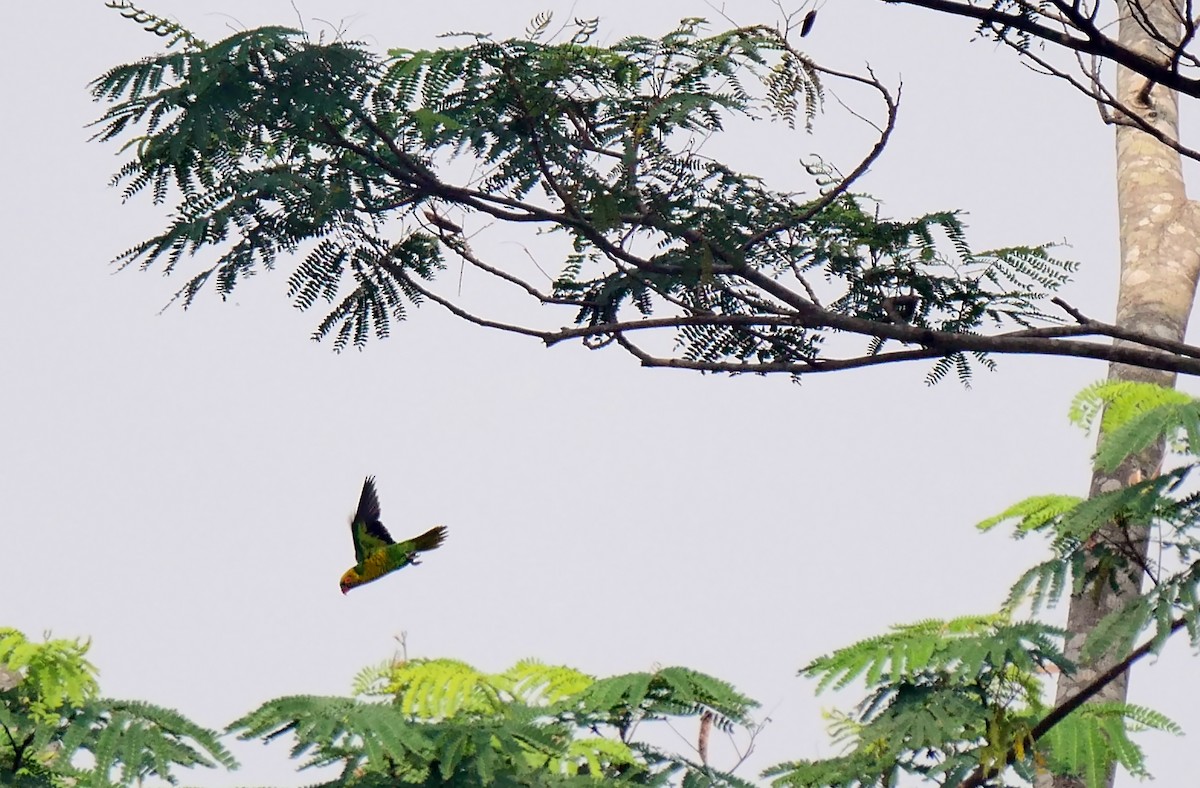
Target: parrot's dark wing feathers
<point>366,530</point>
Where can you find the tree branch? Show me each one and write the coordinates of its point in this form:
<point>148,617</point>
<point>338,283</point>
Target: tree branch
<point>1093,41</point>
<point>399,273</point>
<point>1154,353</point>
<point>885,134</point>
<point>980,776</point>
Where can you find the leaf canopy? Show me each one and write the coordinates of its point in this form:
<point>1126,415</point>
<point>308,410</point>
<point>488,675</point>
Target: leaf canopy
<point>342,162</point>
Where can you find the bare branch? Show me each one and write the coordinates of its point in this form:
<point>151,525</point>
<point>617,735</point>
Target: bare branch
<point>827,199</point>
<point>706,722</point>
<point>937,344</point>
<point>1120,113</point>
<point>1092,40</point>
<point>401,274</point>
<point>467,254</point>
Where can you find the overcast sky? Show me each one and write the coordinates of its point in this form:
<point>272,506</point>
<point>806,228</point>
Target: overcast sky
<point>176,486</point>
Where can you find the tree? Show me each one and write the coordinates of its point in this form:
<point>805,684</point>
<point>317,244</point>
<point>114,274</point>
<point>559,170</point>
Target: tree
<point>421,721</point>
<point>960,702</point>
<point>442,722</point>
<point>51,713</point>
<point>1155,56</point>
<point>278,143</point>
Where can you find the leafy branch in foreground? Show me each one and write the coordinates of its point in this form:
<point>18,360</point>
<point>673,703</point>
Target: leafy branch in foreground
<point>50,714</point>
<point>944,697</point>
<point>960,702</point>
<point>445,723</point>
<point>273,146</point>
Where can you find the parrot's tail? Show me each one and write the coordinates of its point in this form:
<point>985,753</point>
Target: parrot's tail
<point>429,540</point>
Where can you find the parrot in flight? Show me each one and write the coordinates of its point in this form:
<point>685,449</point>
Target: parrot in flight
<point>375,552</point>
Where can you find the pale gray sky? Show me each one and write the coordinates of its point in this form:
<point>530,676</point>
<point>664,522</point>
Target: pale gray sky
<point>176,486</point>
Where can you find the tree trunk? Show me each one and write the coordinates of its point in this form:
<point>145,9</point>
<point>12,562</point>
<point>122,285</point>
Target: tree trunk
<point>1160,259</point>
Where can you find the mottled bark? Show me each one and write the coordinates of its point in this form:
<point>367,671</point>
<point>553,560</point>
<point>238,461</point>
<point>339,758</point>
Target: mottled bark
<point>1160,258</point>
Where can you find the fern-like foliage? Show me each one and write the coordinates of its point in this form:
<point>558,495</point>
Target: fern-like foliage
<point>962,646</point>
<point>944,697</point>
<point>51,675</point>
<point>344,731</point>
<point>1131,416</point>
<point>172,31</point>
<point>1090,740</point>
<point>132,741</point>
<point>1093,543</point>
<point>1111,404</point>
<point>441,721</point>
<point>948,700</point>
<point>1135,415</point>
<point>539,684</point>
<point>50,713</point>
<point>1084,555</point>
<point>273,147</point>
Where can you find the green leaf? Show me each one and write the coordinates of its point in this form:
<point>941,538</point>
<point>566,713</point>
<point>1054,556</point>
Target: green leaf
<point>1137,432</point>
<point>1033,513</point>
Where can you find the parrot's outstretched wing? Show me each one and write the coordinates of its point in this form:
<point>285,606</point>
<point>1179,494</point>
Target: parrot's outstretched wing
<point>366,530</point>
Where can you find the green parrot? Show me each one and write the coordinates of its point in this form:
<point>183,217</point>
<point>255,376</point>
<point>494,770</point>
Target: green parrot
<point>376,553</point>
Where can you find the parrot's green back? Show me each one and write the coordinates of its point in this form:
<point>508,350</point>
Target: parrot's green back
<point>404,553</point>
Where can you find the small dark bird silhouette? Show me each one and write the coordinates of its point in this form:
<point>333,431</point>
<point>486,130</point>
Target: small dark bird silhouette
<point>806,25</point>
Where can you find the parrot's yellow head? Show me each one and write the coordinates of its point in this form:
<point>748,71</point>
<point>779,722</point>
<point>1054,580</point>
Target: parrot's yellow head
<point>350,580</point>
